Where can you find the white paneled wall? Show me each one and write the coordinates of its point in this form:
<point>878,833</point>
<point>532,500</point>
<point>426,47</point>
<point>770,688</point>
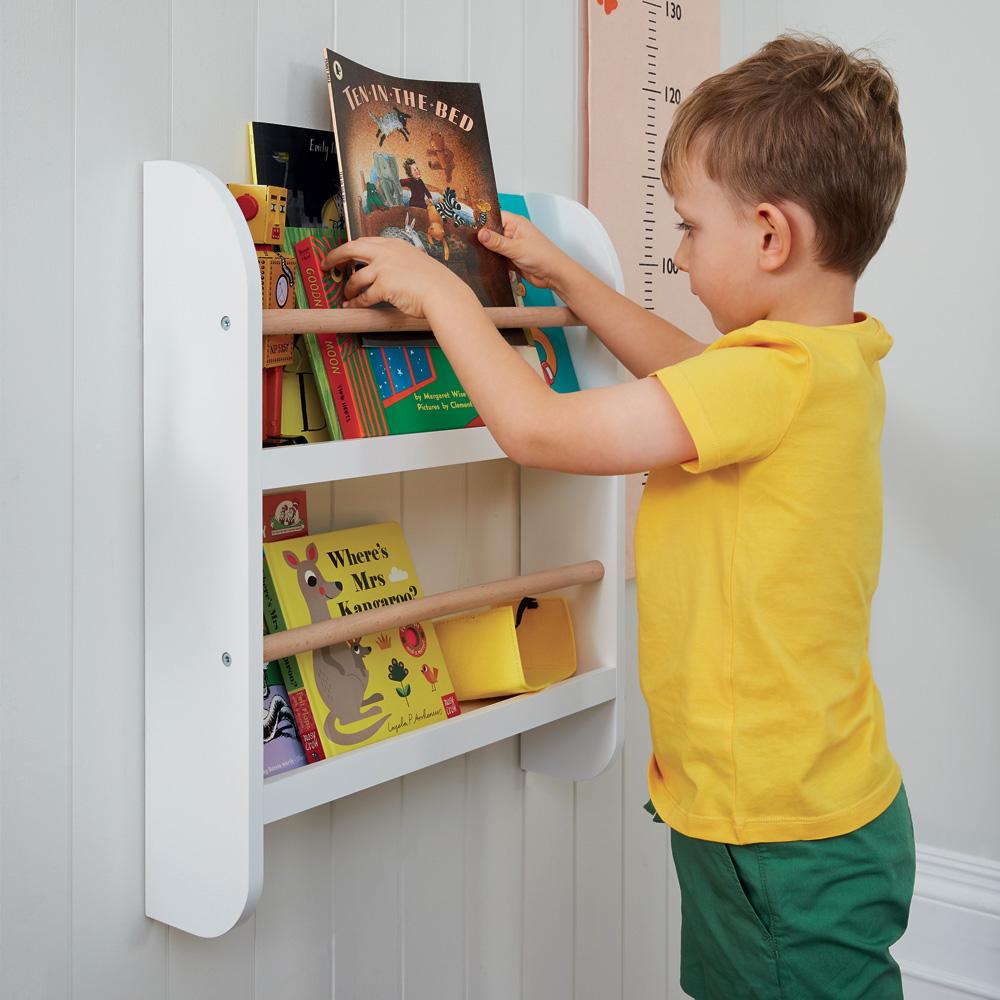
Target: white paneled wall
<point>471,879</point>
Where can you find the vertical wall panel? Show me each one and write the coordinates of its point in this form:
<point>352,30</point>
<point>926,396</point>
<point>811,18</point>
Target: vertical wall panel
<point>553,106</point>
<point>293,939</point>
<point>645,844</point>
<point>367,827</point>
<point>214,83</point>
<point>432,852</point>
<point>496,59</point>
<point>37,167</point>
<point>598,920</point>
<point>494,781</point>
<point>549,913</point>
<point>122,118</point>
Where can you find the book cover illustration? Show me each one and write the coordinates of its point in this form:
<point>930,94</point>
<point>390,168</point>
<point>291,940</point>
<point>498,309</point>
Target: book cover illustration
<point>415,164</point>
<point>291,676</point>
<point>282,748</point>
<point>303,160</point>
<point>284,515</point>
<point>378,685</point>
<point>550,342</point>
<point>419,390</point>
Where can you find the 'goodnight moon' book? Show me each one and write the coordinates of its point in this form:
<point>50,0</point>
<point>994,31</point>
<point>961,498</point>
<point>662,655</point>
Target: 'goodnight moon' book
<point>415,165</point>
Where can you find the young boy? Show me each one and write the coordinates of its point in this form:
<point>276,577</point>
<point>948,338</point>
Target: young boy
<point>759,535</point>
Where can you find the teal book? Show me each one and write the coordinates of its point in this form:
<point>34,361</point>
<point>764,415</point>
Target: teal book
<point>550,342</point>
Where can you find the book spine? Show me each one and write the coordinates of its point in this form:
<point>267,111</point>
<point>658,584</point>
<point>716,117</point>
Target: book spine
<point>305,722</point>
<point>336,142</point>
<point>357,368</point>
<point>326,350</point>
<point>272,379</point>
<point>253,159</point>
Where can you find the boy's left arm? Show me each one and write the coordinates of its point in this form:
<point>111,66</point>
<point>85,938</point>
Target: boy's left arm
<point>617,429</point>
<point>613,430</point>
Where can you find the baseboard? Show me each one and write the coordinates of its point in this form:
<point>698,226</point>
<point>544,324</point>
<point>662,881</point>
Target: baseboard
<point>951,949</point>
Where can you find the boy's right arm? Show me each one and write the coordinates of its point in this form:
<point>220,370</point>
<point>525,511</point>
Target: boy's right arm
<point>641,341</point>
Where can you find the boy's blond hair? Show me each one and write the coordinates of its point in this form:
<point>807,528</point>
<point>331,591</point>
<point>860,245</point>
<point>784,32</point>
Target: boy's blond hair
<point>801,120</point>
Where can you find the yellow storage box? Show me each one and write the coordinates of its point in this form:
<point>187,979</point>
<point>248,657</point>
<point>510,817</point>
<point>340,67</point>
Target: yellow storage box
<point>489,655</point>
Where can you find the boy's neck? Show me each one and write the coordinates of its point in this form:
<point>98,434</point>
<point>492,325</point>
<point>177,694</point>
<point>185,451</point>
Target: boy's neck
<point>828,301</point>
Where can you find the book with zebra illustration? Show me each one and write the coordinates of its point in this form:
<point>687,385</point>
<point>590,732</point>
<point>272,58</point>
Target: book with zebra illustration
<point>282,747</point>
<point>375,686</point>
<point>415,164</point>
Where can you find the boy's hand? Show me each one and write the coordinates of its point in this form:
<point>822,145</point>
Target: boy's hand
<point>531,252</point>
<point>395,272</point>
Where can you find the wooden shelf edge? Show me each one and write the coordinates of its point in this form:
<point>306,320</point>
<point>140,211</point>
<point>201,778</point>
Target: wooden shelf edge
<point>479,725</point>
<point>325,461</point>
<point>388,320</point>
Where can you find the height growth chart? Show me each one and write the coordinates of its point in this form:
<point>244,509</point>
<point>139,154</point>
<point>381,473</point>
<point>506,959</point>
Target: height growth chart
<point>644,57</point>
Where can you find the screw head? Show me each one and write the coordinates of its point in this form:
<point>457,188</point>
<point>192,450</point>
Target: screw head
<point>226,323</point>
<point>226,659</point>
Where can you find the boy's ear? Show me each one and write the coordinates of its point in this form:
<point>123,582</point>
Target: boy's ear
<point>774,236</point>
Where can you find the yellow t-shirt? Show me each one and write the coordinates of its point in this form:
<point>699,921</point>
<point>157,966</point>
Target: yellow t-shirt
<point>755,568</point>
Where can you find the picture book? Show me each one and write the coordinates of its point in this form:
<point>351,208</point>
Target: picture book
<point>553,350</point>
<point>415,165</point>
<point>375,686</point>
<point>304,161</point>
<point>302,420</point>
<point>285,515</point>
<point>291,677</point>
<point>282,748</point>
<point>419,390</point>
<point>344,378</point>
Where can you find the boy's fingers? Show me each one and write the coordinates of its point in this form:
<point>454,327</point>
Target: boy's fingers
<point>494,241</point>
<point>362,249</point>
<point>367,298</point>
<point>360,280</point>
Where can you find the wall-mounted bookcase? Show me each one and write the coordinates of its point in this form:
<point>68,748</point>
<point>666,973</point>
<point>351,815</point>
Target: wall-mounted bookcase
<point>204,473</point>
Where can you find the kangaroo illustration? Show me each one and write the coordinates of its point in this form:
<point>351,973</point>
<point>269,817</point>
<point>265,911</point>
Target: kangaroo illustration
<point>341,676</point>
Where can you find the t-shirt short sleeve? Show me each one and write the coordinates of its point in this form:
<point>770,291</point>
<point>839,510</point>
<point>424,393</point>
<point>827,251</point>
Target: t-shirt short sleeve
<point>737,402</point>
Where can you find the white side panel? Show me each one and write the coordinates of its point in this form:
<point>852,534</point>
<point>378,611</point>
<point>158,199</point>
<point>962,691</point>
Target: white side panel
<point>202,553</point>
<point>584,745</point>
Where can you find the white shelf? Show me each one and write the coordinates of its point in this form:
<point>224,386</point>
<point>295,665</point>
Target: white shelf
<point>480,724</point>
<point>301,464</point>
<point>204,470</point>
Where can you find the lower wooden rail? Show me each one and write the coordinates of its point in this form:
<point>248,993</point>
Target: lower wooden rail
<point>319,634</point>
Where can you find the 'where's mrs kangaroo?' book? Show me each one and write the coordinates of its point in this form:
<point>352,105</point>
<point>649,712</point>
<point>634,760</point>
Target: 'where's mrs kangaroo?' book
<point>415,164</point>
<point>375,686</point>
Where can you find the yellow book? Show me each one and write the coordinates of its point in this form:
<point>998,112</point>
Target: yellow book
<point>379,685</point>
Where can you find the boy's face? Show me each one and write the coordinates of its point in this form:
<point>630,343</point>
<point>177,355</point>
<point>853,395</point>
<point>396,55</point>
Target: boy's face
<point>719,250</point>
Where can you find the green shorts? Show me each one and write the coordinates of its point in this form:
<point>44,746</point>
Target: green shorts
<point>809,919</point>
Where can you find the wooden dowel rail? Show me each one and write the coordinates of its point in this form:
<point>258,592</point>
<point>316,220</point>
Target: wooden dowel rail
<point>319,634</point>
<point>393,321</point>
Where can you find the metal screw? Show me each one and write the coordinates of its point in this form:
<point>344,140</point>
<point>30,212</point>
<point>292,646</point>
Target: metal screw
<point>226,659</point>
<point>226,322</point>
